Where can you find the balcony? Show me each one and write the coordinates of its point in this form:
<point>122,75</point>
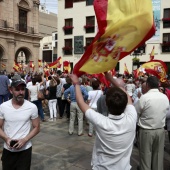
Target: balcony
<point>89,28</point>
<point>68,30</point>
<point>20,28</point>
<point>3,24</point>
<point>166,22</point>
<point>67,50</point>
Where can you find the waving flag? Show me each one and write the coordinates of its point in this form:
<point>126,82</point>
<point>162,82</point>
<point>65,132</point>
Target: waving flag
<point>66,66</point>
<point>16,67</point>
<point>152,53</point>
<point>155,67</point>
<point>3,65</point>
<point>32,65</point>
<point>39,63</point>
<point>126,71</point>
<point>121,30</point>
<point>56,63</point>
<point>46,65</point>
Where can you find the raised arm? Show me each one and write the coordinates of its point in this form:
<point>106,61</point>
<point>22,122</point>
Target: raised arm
<point>79,97</point>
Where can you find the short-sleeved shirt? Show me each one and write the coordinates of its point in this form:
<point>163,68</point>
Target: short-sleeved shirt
<point>114,139</point>
<point>52,90</point>
<point>4,83</point>
<point>17,122</point>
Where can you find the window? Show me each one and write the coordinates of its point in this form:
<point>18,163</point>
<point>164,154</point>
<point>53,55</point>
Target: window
<point>140,50</point>
<point>89,2</point>
<point>68,47</point>
<point>166,42</point>
<point>90,23</point>
<point>88,42</point>
<point>56,36</point>
<point>22,20</point>
<point>68,3</point>
<point>166,19</point>
<point>68,28</point>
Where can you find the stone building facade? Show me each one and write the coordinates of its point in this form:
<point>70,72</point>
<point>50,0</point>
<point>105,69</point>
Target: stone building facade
<point>19,32</point>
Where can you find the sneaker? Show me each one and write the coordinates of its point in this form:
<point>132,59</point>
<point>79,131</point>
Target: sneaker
<point>90,135</point>
<point>50,120</point>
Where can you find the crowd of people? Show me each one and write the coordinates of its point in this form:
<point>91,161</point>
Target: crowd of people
<point>129,112</point>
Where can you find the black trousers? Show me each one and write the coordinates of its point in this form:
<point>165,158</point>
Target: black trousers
<point>16,160</point>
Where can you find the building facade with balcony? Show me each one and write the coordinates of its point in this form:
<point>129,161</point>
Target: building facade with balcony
<point>77,27</point>
<point>19,32</point>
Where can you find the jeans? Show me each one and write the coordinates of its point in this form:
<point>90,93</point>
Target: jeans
<point>3,98</point>
<point>38,103</point>
<point>52,107</point>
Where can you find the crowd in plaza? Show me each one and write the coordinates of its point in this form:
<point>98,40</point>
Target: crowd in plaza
<point>130,111</point>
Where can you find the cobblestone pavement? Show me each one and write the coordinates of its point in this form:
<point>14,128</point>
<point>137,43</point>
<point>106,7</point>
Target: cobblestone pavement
<point>55,149</point>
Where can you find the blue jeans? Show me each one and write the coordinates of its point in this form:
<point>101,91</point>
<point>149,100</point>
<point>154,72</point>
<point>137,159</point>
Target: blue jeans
<point>3,98</point>
<point>38,103</point>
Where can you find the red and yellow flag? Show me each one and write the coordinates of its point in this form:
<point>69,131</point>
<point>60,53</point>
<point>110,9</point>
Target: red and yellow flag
<point>39,63</point>
<point>126,71</point>
<point>56,63</point>
<point>152,54</point>
<point>46,65</point>
<point>16,67</point>
<point>3,65</point>
<point>66,66</point>
<point>155,67</point>
<point>32,65</point>
<point>121,31</point>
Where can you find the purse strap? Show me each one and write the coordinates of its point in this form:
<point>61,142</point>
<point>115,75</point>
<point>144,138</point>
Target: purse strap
<point>94,99</point>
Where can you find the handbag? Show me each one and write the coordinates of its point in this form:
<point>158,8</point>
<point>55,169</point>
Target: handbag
<point>40,95</point>
<point>47,96</point>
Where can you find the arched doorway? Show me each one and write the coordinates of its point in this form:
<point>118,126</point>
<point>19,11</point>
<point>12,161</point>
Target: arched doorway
<point>23,56</point>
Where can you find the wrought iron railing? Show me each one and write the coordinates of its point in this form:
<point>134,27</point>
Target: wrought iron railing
<point>20,28</point>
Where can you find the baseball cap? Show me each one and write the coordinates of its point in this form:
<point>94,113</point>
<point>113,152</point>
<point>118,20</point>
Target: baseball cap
<point>16,81</point>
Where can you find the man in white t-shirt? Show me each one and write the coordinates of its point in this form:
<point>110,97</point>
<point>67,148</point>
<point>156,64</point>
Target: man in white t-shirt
<point>19,123</point>
<point>114,134</point>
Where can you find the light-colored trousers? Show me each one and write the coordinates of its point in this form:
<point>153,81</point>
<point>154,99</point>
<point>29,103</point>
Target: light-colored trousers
<point>75,110</point>
<point>52,107</point>
<point>151,149</point>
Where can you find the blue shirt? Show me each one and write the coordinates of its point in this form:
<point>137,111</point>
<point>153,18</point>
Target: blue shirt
<point>71,91</point>
<point>4,83</point>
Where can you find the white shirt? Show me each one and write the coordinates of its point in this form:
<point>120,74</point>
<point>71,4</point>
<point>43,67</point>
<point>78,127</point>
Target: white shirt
<point>17,122</point>
<point>93,96</point>
<point>114,139</point>
<point>34,91</point>
<point>152,109</point>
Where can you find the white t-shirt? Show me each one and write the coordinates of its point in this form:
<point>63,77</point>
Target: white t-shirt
<point>17,122</point>
<point>93,96</point>
<point>114,139</point>
<point>33,92</point>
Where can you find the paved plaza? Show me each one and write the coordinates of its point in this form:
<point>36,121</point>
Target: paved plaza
<point>55,149</point>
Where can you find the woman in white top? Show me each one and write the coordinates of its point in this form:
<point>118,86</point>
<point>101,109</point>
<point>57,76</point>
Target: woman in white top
<point>33,92</point>
<point>93,97</point>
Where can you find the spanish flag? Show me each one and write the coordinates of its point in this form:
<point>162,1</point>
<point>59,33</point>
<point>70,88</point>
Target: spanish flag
<point>152,53</point>
<point>123,26</point>
<point>126,71</point>
<point>32,65</point>
<point>16,67</point>
<point>39,63</point>
<point>66,66</point>
<point>3,65</point>
<point>56,63</point>
<point>155,67</point>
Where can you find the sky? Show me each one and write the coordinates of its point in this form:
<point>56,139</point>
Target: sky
<point>51,5</point>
